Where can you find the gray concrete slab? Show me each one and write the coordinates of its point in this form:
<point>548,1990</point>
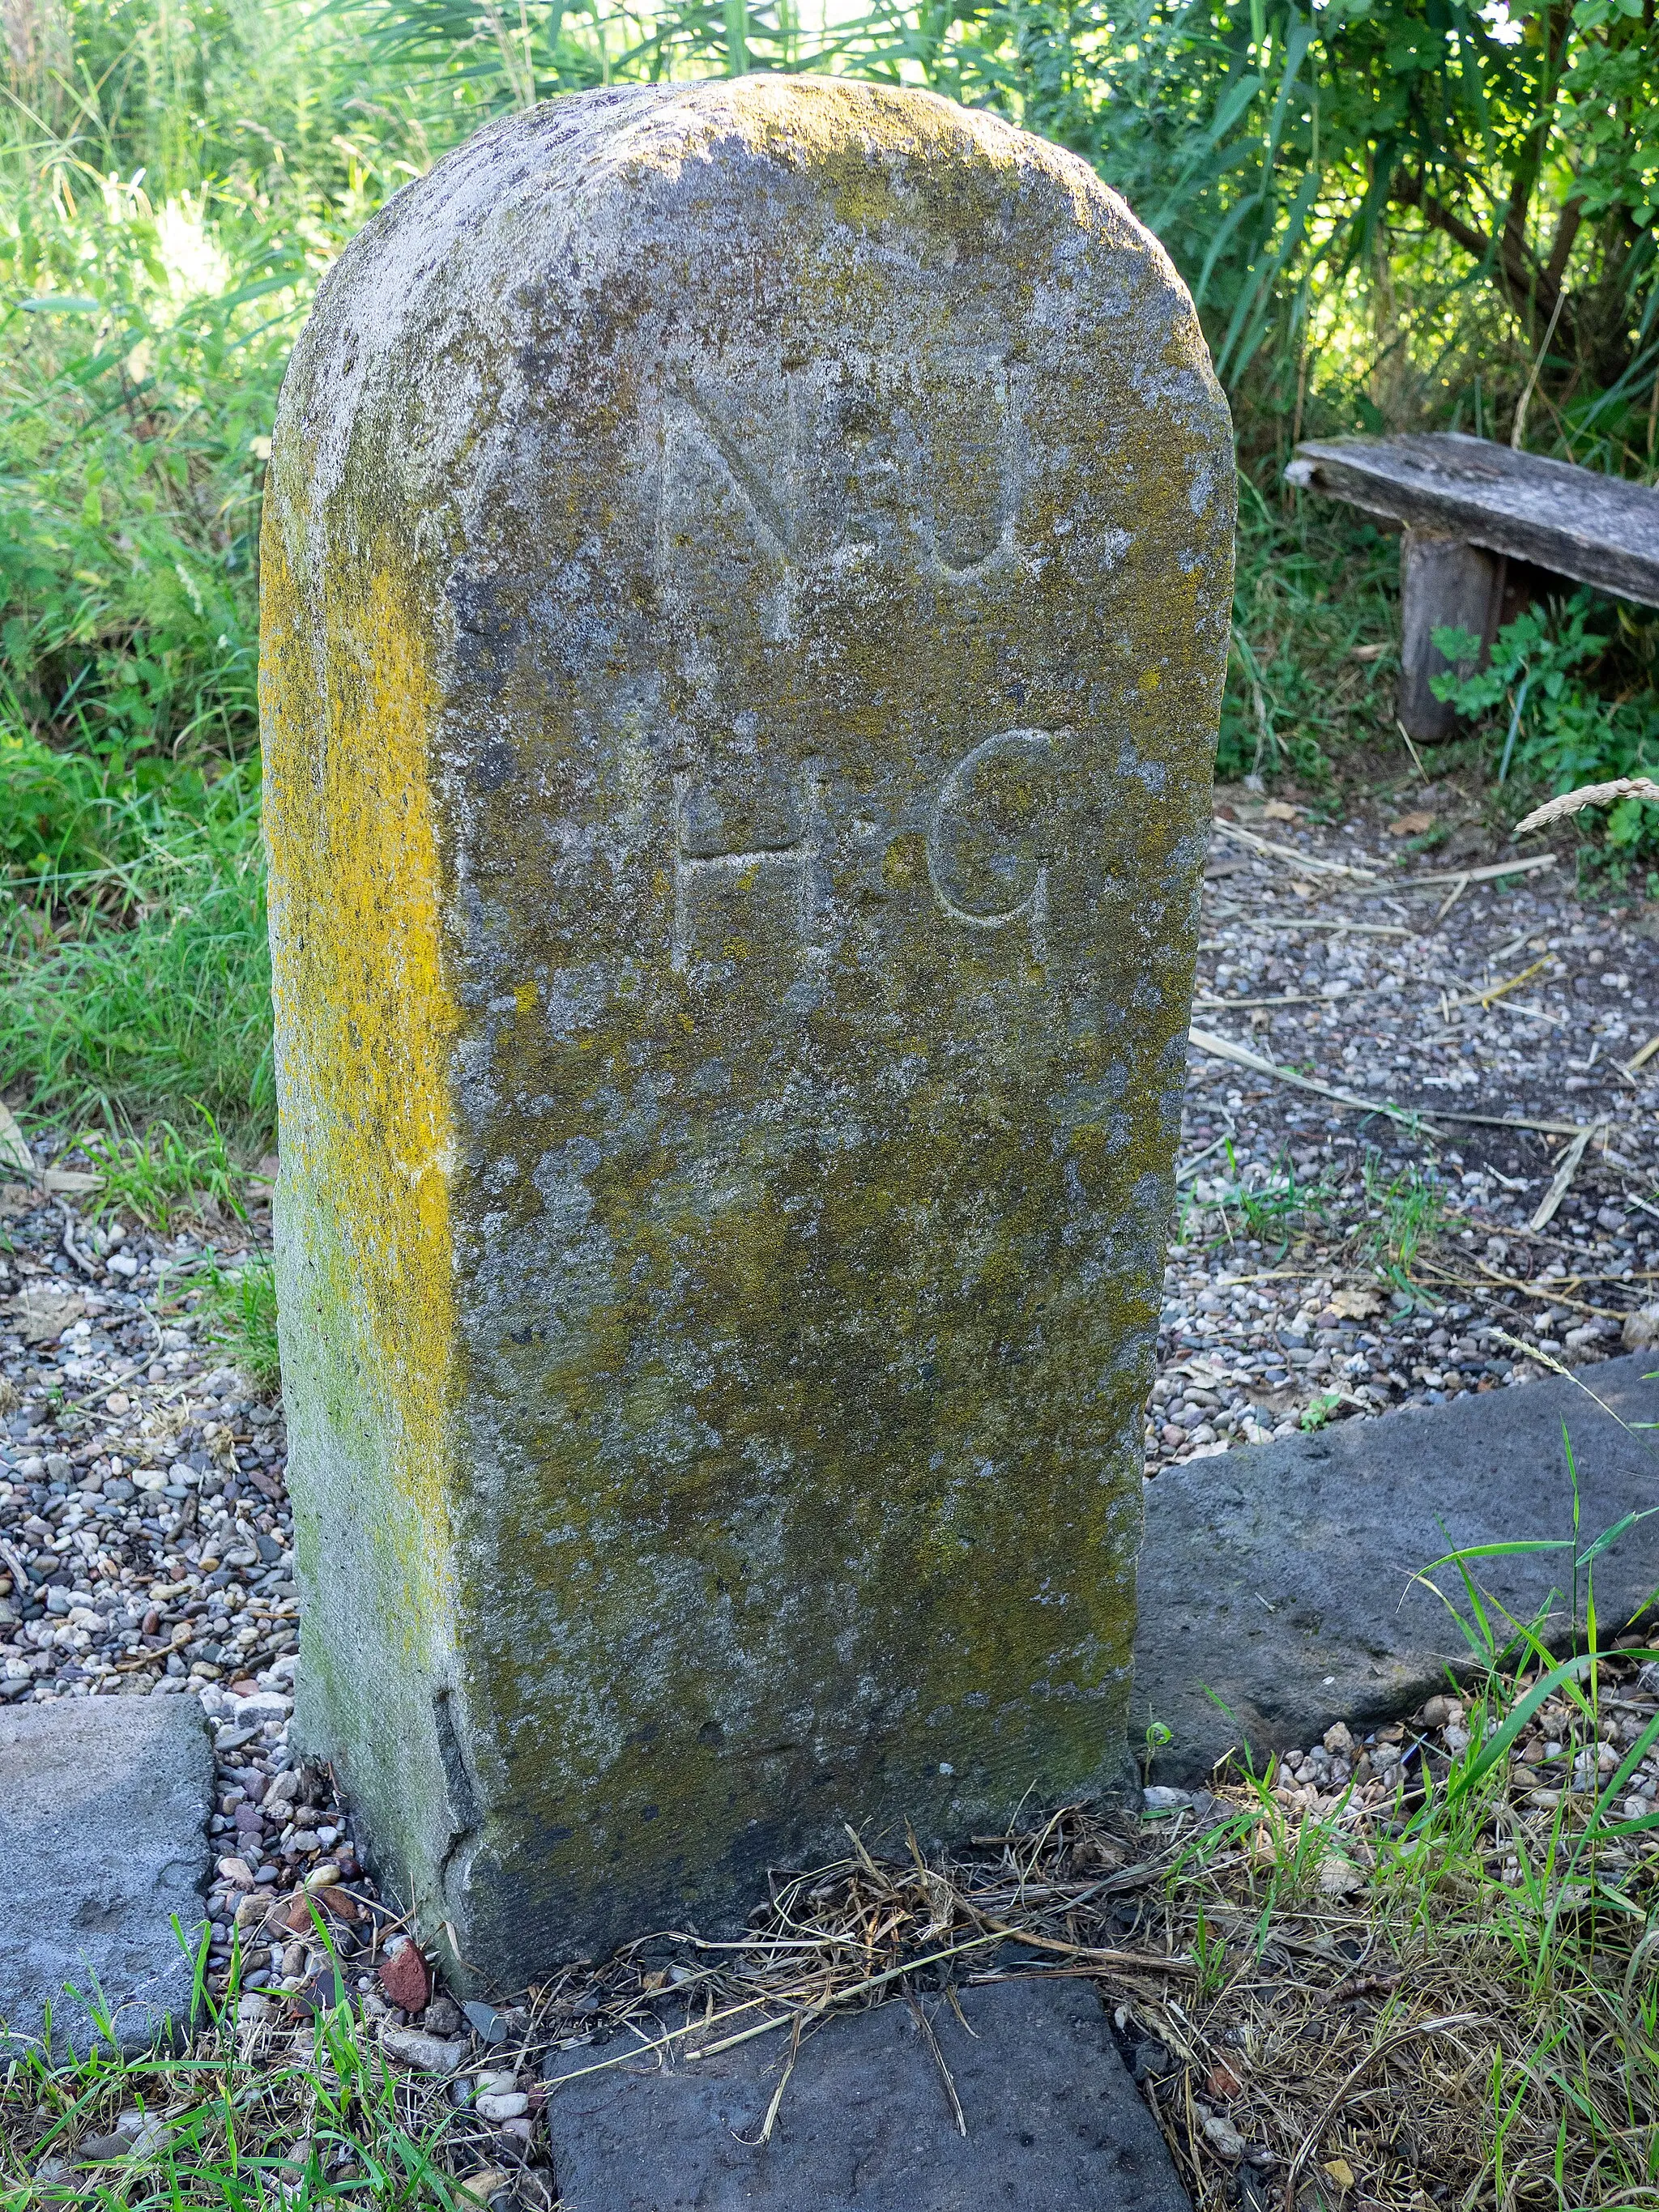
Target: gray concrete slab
<point>1280,1577</point>
<point>104,1806</point>
<point>865,2124</point>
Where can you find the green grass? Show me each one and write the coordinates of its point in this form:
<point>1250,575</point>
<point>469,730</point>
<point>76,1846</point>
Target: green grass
<point>240,1306</point>
<point>166,1173</point>
<point>134,964</point>
<point>1388,1222</point>
<point>1282,1206</point>
<point>1407,1211</point>
<point>168,200</point>
<point>1317,584</point>
<point>246,2117</point>
<point>1275,1204</point>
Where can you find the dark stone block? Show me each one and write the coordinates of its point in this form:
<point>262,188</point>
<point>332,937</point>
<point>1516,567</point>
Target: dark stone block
<point>865,2123</point>
<point>104,1806</point>
<point>1280,1578</point>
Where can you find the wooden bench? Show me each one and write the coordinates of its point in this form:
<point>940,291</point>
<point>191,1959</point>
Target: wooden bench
<point>1475,513</point>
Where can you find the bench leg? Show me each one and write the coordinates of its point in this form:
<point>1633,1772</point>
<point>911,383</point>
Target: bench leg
<point>1444,584</point>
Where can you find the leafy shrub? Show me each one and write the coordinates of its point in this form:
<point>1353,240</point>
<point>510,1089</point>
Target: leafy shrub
<point>1543,703</point>
<point>1325,179</point>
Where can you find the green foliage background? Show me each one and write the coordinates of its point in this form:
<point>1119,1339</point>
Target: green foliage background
<point>1392,213</point>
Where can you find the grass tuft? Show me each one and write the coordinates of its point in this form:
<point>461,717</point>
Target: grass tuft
<point>135,977</point>
<point>166,1173</point>
<point>251,2114</point>
<point>1407,1212</point>
<point>239,1306</point>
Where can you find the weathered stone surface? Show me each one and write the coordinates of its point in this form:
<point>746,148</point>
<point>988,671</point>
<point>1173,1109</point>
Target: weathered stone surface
<point>1280,1578</point>
<point>104,1806</point>
<point>746,578</point>
<point>865,2123</point>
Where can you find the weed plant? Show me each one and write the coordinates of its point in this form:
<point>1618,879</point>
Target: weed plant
<point>1405,1210</point>
<point>1570,696</point>
<point>238,1308</point>
<point>166,1173</point>
<point>1275,1204</point>
<point>1320,1409</point>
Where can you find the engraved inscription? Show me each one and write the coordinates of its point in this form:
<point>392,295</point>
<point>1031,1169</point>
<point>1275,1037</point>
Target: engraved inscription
<point>949,526</point>
<point>772,511</point>
<point>838,478</point>
<point>788,862</point>
<point>988,835</point>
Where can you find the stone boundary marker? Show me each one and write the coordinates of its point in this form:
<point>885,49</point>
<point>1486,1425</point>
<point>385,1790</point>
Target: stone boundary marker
<point>1280,1577</point>
<point>1049,2118</point>
<point>746,577</point>
<point>104,1806</point>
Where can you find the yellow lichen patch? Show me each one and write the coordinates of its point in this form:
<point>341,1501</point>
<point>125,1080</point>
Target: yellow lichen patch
<point>365,1021</point>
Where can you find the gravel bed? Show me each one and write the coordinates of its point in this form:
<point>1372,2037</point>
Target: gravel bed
<point>144,1529</point>
<point>1556,1758</point>
<point>1281,1307</point>
<point>145,1534</point>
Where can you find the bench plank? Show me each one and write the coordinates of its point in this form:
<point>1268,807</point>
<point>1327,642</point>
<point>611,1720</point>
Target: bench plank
<point>1596,529</point>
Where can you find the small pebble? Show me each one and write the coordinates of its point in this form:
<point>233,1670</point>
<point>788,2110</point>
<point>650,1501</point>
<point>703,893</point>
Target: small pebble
<point>431,2053</point>
<point>1224,2137</point>
<point>489,2183</point>
<point>487,2024</point>
<point>497,2107</point>
<point>405,1979</point>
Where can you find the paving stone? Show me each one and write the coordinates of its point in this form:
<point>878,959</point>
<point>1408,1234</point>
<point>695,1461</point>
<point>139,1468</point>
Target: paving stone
<point>745,597</point>
<point>1053,2123</point>
<point>1279,1577</point>
<point>103,1805</point>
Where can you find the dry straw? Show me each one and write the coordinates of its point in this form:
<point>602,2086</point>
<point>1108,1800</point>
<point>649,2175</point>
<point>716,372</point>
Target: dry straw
<point>1587,794</point>
<point>1427,1986</point>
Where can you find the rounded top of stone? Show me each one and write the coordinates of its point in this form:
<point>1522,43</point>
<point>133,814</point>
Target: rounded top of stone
<point>560,249</point>
<point>807,121</point>
<point>886,162</point>
<point>800,122</point>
